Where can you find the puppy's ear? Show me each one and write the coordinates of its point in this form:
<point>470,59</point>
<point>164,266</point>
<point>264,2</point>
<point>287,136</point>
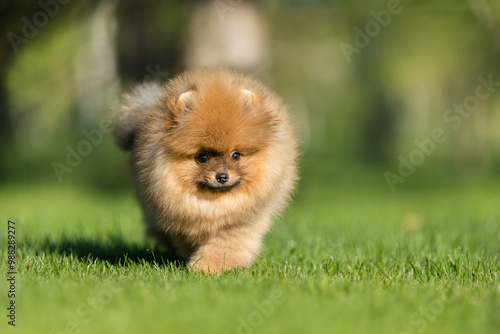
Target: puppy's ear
<point>182,102</point>
<point>176,106</point>
<point>250,98</point>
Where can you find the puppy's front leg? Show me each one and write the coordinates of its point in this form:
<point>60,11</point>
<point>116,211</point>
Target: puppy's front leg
<point>230,248</point>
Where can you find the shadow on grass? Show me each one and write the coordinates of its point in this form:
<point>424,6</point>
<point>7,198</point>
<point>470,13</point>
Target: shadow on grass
<point>114,250</point>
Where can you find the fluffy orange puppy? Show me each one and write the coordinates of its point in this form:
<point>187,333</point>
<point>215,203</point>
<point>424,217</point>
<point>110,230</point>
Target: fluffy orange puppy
<point>213,159</point>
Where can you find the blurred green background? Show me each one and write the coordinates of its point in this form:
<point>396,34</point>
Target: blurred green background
<point>368,83</point>
<point>360,111</point>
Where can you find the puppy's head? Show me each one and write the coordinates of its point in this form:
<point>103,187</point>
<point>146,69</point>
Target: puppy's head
<point>217,138</point>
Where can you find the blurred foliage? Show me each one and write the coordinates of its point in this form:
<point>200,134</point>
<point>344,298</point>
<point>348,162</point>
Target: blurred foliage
<point>367,111</point>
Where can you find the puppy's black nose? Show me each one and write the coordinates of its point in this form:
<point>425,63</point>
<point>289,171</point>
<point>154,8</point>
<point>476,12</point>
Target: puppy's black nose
<point>222,177</point>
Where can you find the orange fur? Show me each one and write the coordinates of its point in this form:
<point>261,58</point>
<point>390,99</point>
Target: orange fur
<point>214,225</point>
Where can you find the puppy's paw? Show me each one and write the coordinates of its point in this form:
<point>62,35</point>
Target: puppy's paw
<point>207,267</point>
<point>211,263</point>
<point>224,253</point>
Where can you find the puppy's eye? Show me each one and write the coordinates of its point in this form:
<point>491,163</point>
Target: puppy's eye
<point>236,155</point>
<point>202,158</point>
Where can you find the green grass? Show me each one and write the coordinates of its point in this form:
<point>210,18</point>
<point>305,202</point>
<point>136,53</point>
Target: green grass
<point>348,256</point>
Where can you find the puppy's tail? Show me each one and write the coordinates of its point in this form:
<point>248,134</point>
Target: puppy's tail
<point>131,111</point>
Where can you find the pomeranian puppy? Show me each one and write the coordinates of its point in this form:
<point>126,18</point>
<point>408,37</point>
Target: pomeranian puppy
<point>213,159</point>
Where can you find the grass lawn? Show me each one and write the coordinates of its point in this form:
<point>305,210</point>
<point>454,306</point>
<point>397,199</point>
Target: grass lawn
<point>348,256</point>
